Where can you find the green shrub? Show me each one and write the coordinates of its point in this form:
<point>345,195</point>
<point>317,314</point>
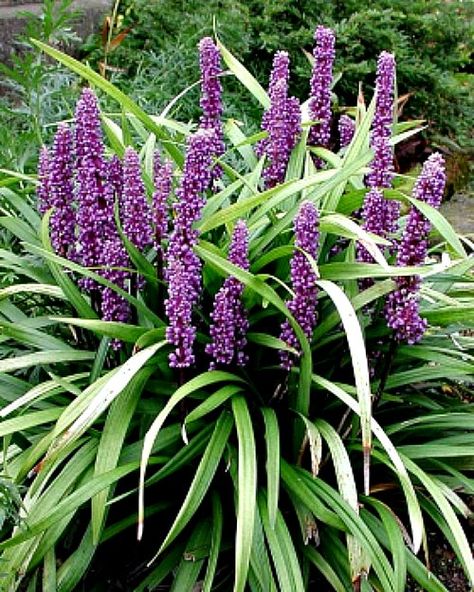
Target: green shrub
<point>252,479</point>
<point>432,42</point>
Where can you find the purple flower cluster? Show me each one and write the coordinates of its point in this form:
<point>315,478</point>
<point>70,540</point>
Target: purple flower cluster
<point>230,324</point>
<point>402,308</point>
<point>162,179</point>
<point>380,215</point>
<point>183,266</point>
<point>282,122</point>
<point>211,97</point>
<point>346,129</point>
<point>135,211</point>
<point>303,279</point>
<point>62,192</point>
<point>115,260</point>
<point>84,188</point>
<point>321,79</point>
<point>93,207</point>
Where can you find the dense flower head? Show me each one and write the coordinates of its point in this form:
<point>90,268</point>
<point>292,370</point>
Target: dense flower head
<point>303,279</point>
<point>162,180</point>
<point>88,138</point>
<point>62,192</point>
<point>93,207</point>
<point>384,95</point>
<point>380,215</point>
<point>211,96</point>
<point>230,324</point>
<point>115,307</point>
<point>42,191</point>
<point>402,308</point>
<point>381,172</point>
<point>282,122</point>
<point>183,266</point>
<point>320,86</point>
<point>135,211</point>
<point>115,260</point>
<point>346,128</point>
<point>114,181</point>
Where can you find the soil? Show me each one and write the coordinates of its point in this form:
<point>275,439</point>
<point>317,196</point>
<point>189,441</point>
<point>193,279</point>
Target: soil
<point>443,561</point>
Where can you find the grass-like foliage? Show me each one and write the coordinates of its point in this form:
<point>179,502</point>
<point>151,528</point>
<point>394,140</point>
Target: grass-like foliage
<point>243,477</point>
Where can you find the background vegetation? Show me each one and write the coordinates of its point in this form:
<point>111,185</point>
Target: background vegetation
<point>432,41</point>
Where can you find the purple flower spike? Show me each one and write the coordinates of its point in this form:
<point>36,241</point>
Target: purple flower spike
<point>321,79</point>
<point>402,308</point>
<point>114,307</point>
<point>183,266</point>
<point>114,183</point>
<point>61,192</point>
<point>380,215</point>
<point>229,329</point>
<point>162,177</point>
<point>93,207</point>
<point>211,97</point>
<point>282,122</point>
<point>135,211</point>
<point>303,279</point>
<point>43,190</point>
<point>114,256</point>
<point>346,128</point>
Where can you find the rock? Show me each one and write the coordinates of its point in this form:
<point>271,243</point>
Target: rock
<point>12,22</point>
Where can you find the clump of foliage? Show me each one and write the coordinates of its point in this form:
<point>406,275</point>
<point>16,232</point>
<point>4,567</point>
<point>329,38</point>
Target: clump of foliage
<point>155,59</point>
<point>161,345</point>
<point>432,43</point>
<point>34,90</point>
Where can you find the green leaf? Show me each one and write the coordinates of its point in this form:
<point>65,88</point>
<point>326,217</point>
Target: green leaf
<point>29,420</point>
<point>465,552</point>
<point>414,512</point>
<point>360,366</point>
<point>260,568</point>
<point>32,337</point>
<point>49,572</point>
<point>395,540</point>
<point>239,141</point>
<point>440,223</point>
<point>85,410</point>
<point>67,286</point>
<point>268,294</point>
<point>325,569</point>
<point>202,479</point>
<point>43,289</point>
<point>55,259</point>
<point>70,503</point>
<point>450,315</point>
<point>243,75</point>
<point>246,491</point>
<point>272,442</point>
<point>216,537</point>
<point>358,560</point>
<point>115,330</point>
<point>46,357</point>
<point>112,438</point>
<point>125,101</point>
<point>316,488</point>
<point>212,402</point>
<point>281,547</point>
<point>193,558</point>
<point>196,383</point>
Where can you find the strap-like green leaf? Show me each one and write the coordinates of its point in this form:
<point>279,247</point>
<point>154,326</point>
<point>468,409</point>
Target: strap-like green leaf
<point>246,491</point>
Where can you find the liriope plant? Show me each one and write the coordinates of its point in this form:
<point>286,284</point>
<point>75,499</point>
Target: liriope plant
<point>224,358</point>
